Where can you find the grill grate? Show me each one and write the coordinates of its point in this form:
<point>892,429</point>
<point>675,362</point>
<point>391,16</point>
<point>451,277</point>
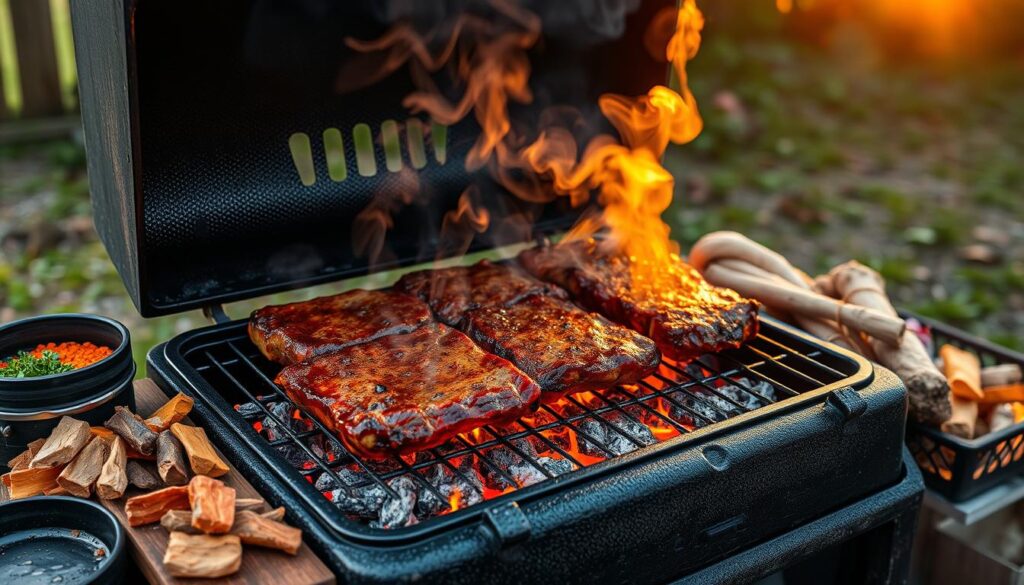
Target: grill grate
<point>579,433</point>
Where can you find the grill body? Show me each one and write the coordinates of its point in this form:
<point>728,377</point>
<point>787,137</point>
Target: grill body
<point>653,515</point>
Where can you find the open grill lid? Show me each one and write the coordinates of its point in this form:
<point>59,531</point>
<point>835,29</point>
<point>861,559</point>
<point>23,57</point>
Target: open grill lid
<point>225,164</point>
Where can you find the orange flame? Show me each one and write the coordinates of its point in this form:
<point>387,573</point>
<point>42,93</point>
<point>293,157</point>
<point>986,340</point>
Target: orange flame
<point>455,499</point>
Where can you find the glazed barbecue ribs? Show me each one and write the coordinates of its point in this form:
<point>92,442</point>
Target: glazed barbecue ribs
<point>293,333</point>
<point>453,292</point>
<point>530,323</point>
<point>564,348</point>
<point>684,314</point>
<point>406,393</point>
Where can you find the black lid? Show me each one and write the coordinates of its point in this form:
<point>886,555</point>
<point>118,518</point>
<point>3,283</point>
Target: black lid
<point>228,100</point>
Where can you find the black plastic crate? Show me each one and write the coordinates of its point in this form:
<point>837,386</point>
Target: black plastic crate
<point>958,468</point>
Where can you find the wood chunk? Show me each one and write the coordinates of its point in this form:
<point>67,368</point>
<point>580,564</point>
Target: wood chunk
<point>178,521</point>
<point>213,504</point>
<point>171,412</point>
<point>26,483</point>
<point>143,475</point>
<point>25,457</point>
<point>80,475</point>
<point>201,555</point>
<point>152,506</point>
<point>181,520</point>
<point>256,530</point>
<point>170,459</point>
<point>129,451</point>
<point>135,433</point>
<point>66,440</point>
<point>201,455</point>
<point>277,514</point>
<point>56,491</point>
<point>251,504</point>
<point>113,479</point>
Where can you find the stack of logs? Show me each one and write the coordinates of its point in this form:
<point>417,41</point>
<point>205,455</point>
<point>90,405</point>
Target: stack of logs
<point>850,308</point>
<point>207,524</point>
<point>77,459</point>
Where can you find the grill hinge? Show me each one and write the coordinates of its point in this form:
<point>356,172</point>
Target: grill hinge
<point>509,522</point>
<point>215,313</point>
<point>848,402</point>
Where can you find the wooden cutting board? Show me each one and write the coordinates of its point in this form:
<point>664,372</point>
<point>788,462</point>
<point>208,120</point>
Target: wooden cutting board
<point>147,543</point>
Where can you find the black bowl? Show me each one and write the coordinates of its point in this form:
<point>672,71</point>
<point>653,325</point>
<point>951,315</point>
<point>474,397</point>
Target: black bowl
<point>47,537</point>
<point>31,407</point>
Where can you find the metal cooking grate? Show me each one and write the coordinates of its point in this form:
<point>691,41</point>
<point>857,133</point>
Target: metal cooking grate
<point>583,431</point>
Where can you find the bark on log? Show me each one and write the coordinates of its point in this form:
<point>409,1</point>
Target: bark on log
<point>143,475</point>
<point>135,433</point>
<point>170,459</point>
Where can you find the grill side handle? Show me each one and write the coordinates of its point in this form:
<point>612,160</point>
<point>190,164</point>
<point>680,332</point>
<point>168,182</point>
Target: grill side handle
<point>847,402</point>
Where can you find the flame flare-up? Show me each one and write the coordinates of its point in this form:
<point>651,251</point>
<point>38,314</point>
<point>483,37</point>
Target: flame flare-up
<point>632,188</point>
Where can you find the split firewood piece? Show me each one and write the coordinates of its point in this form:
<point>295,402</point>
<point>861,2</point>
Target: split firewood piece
<point>171,412</point>
<point>202,556</point>
<point>257,530</point>
<point>1001,375</point>
<point>963,370</point>
<point>135,433</point>
<point>113,479</point>
<point>251,504</point>
<point>128,450</point>
<point>201,454</point>
<point>66,440</point>
<point>1000,394</point>
<point>927,387</point>
<point>29,482</point>
<point>25,457</point>
<point>56,490</point>
<point>963,419</point>
<point>80,475</point>
<point>143,475</point>
<point>170,459</point>
<point>213,504</point>
<point>179,521</point>
<point>151,507</point>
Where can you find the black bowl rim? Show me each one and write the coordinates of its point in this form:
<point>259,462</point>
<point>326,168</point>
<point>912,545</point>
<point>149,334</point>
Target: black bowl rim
<point>82,372</point>
<point>116,549</point>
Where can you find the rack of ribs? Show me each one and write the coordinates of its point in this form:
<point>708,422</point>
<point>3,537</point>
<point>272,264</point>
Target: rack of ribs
<point>564,348</point>
<point>684,314</point>
<point>454,292</point>
<point>530,323</point>
<point>296,332</point>
<point>409,392</point>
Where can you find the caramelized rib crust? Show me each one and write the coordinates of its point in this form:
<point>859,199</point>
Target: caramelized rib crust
<point>406,393</point>
<point>686,318</point>
<point>564,348</point>
<point>293,333</point>
<point>453,292</point>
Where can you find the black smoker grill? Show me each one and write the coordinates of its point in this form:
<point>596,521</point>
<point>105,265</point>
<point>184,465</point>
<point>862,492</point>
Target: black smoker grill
<point>226,163</point>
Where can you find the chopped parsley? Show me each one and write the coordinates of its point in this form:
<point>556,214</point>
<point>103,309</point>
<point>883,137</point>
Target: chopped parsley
<point>26,365</point>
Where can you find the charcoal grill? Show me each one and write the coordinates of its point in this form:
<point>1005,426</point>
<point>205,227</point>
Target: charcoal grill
<point>765,453</point>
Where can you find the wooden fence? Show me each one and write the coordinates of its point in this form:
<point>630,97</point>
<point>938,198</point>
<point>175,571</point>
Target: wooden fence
<point>37,83</point>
